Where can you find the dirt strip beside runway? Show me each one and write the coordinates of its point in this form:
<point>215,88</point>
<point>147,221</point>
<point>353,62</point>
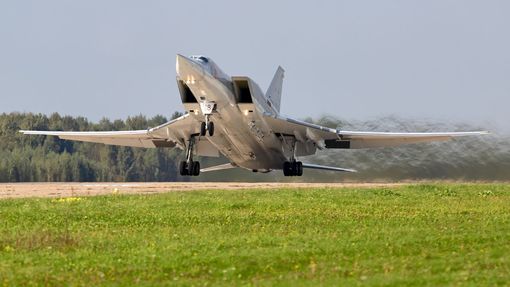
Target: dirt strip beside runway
<point>20,190</point>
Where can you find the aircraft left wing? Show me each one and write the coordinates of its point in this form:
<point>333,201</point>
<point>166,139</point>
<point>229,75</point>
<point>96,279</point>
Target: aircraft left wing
<point>170,134</point>
<point>325,137</point>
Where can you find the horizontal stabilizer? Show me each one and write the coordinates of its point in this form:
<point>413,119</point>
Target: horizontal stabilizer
<point>218,167</point>
<point>323,167</point>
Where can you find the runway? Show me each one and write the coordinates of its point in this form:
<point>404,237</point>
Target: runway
<point>23,190</point>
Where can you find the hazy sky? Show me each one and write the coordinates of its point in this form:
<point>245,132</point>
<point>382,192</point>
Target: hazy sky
<point>354,59</point>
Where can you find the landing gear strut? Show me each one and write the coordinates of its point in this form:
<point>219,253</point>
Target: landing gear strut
<point>189,167</point>
<point>293,168</point>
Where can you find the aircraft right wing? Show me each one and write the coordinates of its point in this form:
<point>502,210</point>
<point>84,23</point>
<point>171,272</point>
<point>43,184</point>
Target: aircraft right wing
<point>171,134</point>
<point>325,137</point>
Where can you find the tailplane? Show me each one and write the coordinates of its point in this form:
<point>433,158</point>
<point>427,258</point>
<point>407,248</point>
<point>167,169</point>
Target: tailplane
<point>323,167</point>
<point>274,92</point>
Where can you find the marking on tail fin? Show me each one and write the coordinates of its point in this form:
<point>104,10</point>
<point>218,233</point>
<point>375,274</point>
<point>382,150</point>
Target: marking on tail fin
<point>274,92</point>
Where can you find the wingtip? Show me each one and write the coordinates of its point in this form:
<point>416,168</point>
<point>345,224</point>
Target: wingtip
<point>480,133</point>
<point>28,132</point>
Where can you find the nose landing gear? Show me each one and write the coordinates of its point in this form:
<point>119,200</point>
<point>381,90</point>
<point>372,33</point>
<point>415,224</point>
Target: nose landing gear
<point>207,127</point>
<point>203,129</point>
<point>207,109</point>
<point>210,128</point>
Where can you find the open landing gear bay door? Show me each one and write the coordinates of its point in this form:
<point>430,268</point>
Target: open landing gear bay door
<point>324,137</point>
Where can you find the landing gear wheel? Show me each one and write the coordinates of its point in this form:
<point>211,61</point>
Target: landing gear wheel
<point>182,168</point>
<point>196,168</point>
<point>203,129</point>
<point>294,168</point>
<point>286,169</point>
<point>210,128</point>
<point>299,168</point>
<point>191,167</point>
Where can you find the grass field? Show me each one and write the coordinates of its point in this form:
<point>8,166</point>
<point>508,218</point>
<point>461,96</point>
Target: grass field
<point>428,234</point>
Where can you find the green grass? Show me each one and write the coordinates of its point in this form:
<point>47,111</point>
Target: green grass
<point>435,234</point>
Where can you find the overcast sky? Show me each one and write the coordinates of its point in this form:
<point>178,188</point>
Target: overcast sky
<point>445,60</point>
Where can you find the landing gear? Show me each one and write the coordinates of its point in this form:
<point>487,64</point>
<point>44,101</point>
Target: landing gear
<point>207,128</point>
<point>207,109</point>
<point>189,167</point>
<point>196,168</point>
<point>210,128</point>
<point>192,168</point>
<point>293,168</point>
<point>183,168</point>
<point>203,129</point>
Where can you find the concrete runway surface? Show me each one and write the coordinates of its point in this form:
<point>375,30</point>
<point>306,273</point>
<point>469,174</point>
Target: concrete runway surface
<point>21,190</point>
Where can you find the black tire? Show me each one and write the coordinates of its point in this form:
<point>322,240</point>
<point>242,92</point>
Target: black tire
<point>299,169</point>
<point>190,168</point>
<point>293,168</point>
<point>203,129</point>
<point>210,128</point>
<point>286,169</point>
<point>196,168</point>
<point>182,168</point>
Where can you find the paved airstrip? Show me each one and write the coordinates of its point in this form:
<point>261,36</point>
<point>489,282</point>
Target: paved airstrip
<point>21,190</point>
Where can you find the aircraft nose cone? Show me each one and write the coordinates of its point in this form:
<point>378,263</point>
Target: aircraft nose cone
<point>180,62</point>
<point>185,66</point>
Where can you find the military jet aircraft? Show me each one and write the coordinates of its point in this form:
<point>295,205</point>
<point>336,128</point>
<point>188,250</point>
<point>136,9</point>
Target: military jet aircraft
<point>232,116</point>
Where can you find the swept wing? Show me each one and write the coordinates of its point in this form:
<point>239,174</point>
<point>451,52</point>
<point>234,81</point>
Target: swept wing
<point>333,138</point>
<point>170,134</point>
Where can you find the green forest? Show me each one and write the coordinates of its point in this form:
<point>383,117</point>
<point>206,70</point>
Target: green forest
<point>41,158</point>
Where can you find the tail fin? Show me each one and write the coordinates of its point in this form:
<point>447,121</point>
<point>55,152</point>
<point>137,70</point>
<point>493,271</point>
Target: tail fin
<point>274,92</point>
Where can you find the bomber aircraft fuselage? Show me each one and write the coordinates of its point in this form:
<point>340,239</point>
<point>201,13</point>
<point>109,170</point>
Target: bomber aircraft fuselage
<point>238,109</point>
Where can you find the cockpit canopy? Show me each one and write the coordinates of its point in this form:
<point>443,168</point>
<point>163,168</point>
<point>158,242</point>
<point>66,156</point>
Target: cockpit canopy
<point>210,67</point>
<point>200,58</point>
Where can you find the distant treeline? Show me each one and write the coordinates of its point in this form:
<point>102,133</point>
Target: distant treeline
<point>41,158</point>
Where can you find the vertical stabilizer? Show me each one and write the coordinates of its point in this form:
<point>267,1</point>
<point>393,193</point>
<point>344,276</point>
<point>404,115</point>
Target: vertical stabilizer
<point>274,92</point>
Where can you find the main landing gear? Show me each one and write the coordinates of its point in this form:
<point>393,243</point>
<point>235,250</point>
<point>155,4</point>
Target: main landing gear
<point>189,167</point>
<point>293,168</point>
